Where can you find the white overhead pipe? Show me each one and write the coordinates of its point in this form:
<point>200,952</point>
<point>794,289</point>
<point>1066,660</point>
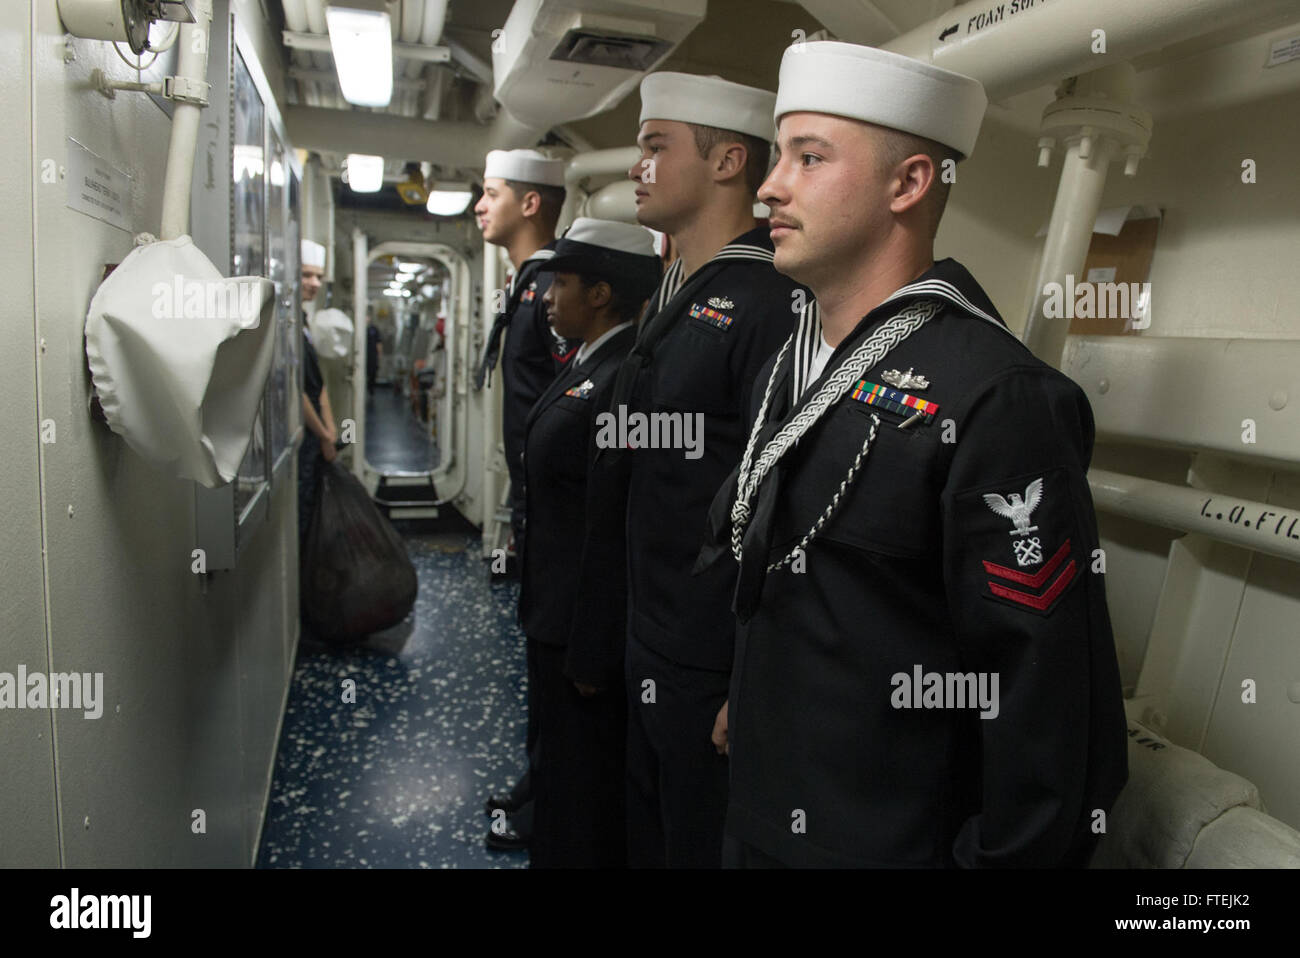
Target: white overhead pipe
<point>316,16</point>
<point>316,24</point>
<point>582,166</point>
<point>617,160</point>
<point>190,96</point>
<point>1095,116</point>
<point>412,21</point>
<point>617,201</point>
<point>410,32</point>
<point>435,18</point>
<point>1259,526</point>
<point>446,143</point>
<point>295,19</point>
<point>1042,42</point>
<point>295,15</point>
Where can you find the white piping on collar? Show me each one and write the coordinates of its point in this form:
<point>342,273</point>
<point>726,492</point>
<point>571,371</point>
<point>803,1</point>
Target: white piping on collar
<point>809,328</point>
<point>945,289</point>
<point>539,256</point>
<point>674,278</point>
<point>807,338</point>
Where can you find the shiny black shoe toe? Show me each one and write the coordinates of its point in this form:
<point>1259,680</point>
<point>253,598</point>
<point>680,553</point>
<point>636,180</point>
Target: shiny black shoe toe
<point>508,840</point>
<point>504,802</point>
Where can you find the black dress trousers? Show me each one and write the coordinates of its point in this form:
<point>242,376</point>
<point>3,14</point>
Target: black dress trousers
<point>578,817</point>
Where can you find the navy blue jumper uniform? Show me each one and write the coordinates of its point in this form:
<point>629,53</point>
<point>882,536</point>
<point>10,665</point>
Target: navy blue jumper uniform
<point>700,348</point>
<point>931,531</point>
<point>572,608</point>
<point>534,355</point>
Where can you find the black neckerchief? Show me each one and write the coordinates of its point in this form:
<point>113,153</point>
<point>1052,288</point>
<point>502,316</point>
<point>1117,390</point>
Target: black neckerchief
<point>523,278</point>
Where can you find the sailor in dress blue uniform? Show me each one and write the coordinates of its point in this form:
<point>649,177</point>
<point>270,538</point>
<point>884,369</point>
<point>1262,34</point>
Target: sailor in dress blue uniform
<point>573,584</point>
<point>719,313</point>
<point>523,192</point>
<point>925,673</point>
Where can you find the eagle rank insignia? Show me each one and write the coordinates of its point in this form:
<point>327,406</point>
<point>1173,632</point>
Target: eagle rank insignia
<point>1046,566</point>
<point>1028,549</point>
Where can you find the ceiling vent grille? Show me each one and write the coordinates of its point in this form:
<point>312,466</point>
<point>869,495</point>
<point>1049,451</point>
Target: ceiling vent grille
<point>605,49</point>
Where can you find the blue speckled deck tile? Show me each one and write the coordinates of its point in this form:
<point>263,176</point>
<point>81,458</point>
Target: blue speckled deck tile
<point>398,779</point>
<point>395,440</point>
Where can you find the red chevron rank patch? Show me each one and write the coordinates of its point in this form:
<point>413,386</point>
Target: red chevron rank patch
<point>1026,549</point>
<point>1033,598</point>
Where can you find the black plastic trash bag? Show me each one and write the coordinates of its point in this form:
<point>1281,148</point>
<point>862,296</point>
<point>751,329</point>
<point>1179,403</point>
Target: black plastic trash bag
<point>356,576</point>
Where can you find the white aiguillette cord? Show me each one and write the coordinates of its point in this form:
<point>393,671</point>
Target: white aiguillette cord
<point>892,332</point>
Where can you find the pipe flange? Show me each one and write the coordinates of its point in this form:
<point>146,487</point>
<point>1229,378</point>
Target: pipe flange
<point>1073,117</point>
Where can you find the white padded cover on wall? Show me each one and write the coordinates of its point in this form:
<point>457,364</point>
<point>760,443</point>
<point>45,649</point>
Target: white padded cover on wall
<point>1244,837</point>
<point>1171,795</point>
<point>180,356</point>
<point>331,333</point>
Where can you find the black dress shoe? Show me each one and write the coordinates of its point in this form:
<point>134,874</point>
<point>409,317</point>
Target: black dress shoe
<point>505,802</point>
<point>506,841</point>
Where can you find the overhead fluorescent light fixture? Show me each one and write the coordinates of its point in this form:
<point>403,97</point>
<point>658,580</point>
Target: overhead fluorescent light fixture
<point>449,199</point>
<point>361,38</point>
<point>448,203</point>
<point>365,173</point>
<point>392,292</point>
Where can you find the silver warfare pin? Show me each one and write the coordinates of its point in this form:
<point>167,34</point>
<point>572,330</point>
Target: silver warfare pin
<point>907,380</point>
